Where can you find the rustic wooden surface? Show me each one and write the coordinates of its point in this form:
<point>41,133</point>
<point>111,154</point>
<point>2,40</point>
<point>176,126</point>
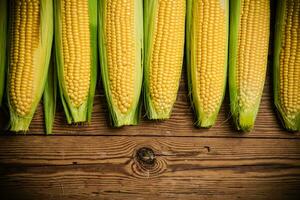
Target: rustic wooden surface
<point>106,167</point>
<point>165,160</point>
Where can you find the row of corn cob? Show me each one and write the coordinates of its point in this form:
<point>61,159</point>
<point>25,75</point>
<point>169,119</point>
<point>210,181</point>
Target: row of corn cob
<point>31,28</point>
<point>130,40</point>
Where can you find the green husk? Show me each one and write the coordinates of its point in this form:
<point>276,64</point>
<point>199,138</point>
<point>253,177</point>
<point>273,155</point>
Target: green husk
<point>42,56</point>
<point>291,124</point>
<point>203,119</point>
<point>244,120</point>
<point>3,33</point>
<point>151,8</point>
<point>132,117</point>
<point>83,113</point>
<point>50,96</point>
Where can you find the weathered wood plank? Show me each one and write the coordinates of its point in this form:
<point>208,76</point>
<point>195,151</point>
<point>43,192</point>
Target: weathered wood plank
<point>61,167</point>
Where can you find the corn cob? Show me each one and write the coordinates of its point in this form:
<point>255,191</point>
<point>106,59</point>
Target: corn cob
<point>50,96</point>
<point>120,44</point>
<point>76,56</point>
<point>287,63</point>
<point>164,45</point>
<point>248,53</point>
<point>31,35</point>
<point>3,33</point>
<point>206,51</point>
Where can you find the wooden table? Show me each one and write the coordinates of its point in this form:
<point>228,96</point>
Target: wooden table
<point>170,159</point>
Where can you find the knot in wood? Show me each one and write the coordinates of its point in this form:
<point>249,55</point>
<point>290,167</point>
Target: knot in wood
<point>145,156</point>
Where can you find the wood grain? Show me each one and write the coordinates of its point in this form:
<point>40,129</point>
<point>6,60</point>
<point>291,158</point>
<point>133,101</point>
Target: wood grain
<point>105,167</point>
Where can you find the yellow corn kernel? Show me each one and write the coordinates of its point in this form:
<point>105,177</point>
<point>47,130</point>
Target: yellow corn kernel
<point>165,56</point>
<point>30,43</point>
<point>25,35</point>
<point>248,57</point>
<point>206,53</point>
<point>120,34</point>
<point>210,55</point>
<point>76,49</point>
<point>121,52</point>
<point>253,43</point>
<point>289,70</point>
